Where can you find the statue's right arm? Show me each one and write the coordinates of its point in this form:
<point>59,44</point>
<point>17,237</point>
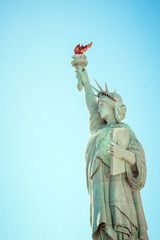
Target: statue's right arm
<point>90,99</point>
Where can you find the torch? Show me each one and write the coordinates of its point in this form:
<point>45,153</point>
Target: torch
<point>79,60</point>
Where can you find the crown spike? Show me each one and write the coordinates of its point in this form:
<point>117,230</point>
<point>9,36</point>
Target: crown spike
<point>98,85</point>
<point>106,88</point>
<point>114,94</point>
<point>95,89</point>
<point>93,94</point>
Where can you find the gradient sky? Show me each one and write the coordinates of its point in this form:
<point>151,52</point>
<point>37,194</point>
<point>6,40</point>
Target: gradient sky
<point>44,127</point>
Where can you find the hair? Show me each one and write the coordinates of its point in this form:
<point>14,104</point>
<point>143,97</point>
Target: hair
<point>119,108</point>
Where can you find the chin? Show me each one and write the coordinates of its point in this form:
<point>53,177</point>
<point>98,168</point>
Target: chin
<point>104,117</point>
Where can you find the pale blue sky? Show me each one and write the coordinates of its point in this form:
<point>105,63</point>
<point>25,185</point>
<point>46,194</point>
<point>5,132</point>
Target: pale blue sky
<point>44,125</point>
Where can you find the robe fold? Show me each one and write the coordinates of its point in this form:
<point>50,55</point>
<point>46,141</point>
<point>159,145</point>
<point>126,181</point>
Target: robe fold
<point>115,201</point>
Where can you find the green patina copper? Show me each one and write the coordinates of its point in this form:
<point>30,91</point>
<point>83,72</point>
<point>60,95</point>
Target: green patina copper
<point>116,210</point>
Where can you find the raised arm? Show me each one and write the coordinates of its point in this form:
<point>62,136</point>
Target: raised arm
<point>90,99</point>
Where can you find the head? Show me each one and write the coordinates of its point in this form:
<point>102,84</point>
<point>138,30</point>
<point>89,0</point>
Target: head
<point>110,105</point>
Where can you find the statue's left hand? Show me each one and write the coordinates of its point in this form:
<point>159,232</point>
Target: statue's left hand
<point>116,151</point>
<point>120,152</point>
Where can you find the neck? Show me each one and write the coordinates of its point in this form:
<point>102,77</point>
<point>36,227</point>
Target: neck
<point>111,120</point>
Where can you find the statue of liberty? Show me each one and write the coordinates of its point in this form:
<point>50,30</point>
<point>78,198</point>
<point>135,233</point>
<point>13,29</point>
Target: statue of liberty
<point>116,210</point>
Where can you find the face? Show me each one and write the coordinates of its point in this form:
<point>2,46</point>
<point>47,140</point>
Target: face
<point>105,110</point>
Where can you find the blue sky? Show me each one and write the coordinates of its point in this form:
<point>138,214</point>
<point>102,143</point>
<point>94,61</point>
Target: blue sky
<point>44,122</point>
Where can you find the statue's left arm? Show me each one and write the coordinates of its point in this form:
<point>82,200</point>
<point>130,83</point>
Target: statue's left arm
<point>137,173</point>
<point>122,153</point>
<point>134,160</point>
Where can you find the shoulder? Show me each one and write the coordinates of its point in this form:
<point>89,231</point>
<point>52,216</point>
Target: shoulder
<point>124,125</point>
<point>131,133</point>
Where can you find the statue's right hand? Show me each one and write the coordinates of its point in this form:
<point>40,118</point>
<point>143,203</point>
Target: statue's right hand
<point>78,73</point>
<point>82,75</point>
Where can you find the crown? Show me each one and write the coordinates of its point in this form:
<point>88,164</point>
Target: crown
<point>104,93</point>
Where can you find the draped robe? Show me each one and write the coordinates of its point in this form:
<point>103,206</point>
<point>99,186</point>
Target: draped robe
<point>115,201</point>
